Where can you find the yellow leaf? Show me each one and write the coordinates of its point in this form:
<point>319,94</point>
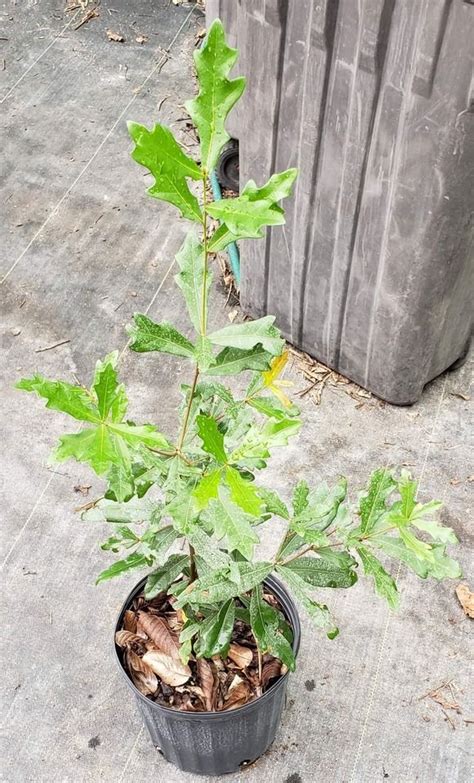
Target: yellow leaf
<point>276,368</point>
<point>271,378</point>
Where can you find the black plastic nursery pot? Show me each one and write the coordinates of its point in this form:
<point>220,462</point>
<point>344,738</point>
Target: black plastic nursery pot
<point>216,743</point>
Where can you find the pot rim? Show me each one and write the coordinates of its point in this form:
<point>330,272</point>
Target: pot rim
<point>281,593</point>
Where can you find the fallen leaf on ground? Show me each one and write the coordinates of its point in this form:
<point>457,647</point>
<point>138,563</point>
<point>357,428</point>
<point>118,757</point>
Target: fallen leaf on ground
<point>118,37</point>
<point>461,395</point>
<point>242,656</point>
<point>169,669</point>
<point>439,696</point>
<point>158,631</point>
<point>466,599</point>
<point>91,14</point>
<point>82,488</point>
<point>143,676</point>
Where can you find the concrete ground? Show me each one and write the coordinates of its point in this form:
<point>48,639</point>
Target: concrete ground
<point>83,248</point>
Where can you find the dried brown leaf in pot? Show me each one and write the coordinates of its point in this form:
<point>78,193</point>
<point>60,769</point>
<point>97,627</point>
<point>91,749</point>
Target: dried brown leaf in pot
<point>128,639</point>
<point>157,629</point>
<point>238,694</point>
<point>157,602</point>
<point>240,655</point>
<point>174,622</point>
<point>271,670</point>
<point>137,603</point>
<point>130,621</point>
<point>169,669</point>
<point>142,675</point>
<point>208,682</point>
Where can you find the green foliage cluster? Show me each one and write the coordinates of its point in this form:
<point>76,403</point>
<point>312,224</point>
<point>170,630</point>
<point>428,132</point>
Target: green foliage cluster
<point>209,506</point>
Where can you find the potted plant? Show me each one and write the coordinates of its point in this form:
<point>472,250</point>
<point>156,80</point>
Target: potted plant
<point>206,639</point>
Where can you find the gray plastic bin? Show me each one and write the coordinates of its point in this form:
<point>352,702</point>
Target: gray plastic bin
<point>373,102</point>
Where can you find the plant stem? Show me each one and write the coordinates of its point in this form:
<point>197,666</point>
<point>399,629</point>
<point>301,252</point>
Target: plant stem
<point>297,555</point>
<point>206,253</point>
<point>192,560</point>
<point>192,564</point>
<point>188,410</point>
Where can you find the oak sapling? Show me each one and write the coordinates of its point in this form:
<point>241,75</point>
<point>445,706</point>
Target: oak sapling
<point>208,506</point>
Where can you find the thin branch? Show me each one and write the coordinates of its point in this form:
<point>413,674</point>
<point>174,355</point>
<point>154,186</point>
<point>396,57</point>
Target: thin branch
<point>192,563</point>
<point>188,410</point>
<point>297,555</point>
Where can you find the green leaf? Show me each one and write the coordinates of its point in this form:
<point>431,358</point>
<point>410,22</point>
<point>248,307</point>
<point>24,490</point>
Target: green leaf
<point>322,508</point>
<point>291,544</point>
<point>95,446</point>
<point>212,438</point>
<point>265,623</point>
<point>420,519</point>
<point>300,497</point>
<point>182,510</point>
<point>384,584</point>
<point>408,512</point>
<point>203,353</point>
<point>207,390</point>
<point>277,433</point>
<point>207,489</point>
<point>246,215</point>
<point>318,572</point>
<point>243,492</point>
<point>273,408</point>
<point>318,612</point>
<point>120,483</point>
<point>110,395</point>
<point>221,238</point>
<point>218,587</point>
<point>231,521</point>
<point>135,435</point>
<point>281,648</point>
<point>109,441</point>
<point>191,278</point>
<point>150,336</point>
<point>372,504</point>
<point>262,616</point>
<point>124,537</point>
<point>162,577</point>
<point>207,547</point>
<point>396,548</point>
<point>134,511</point>
<point>161,154</point>
<point>231,361</point>
<point>249,334</point>
<point>273,503</point>
<point>342,560</point>
<point>419,548</point>
<point>62,396</point>
<point>217,94</point>
<point>443,566</point>
<point>160,541</point>
<point>135,560</point>
<point>216,631</point>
